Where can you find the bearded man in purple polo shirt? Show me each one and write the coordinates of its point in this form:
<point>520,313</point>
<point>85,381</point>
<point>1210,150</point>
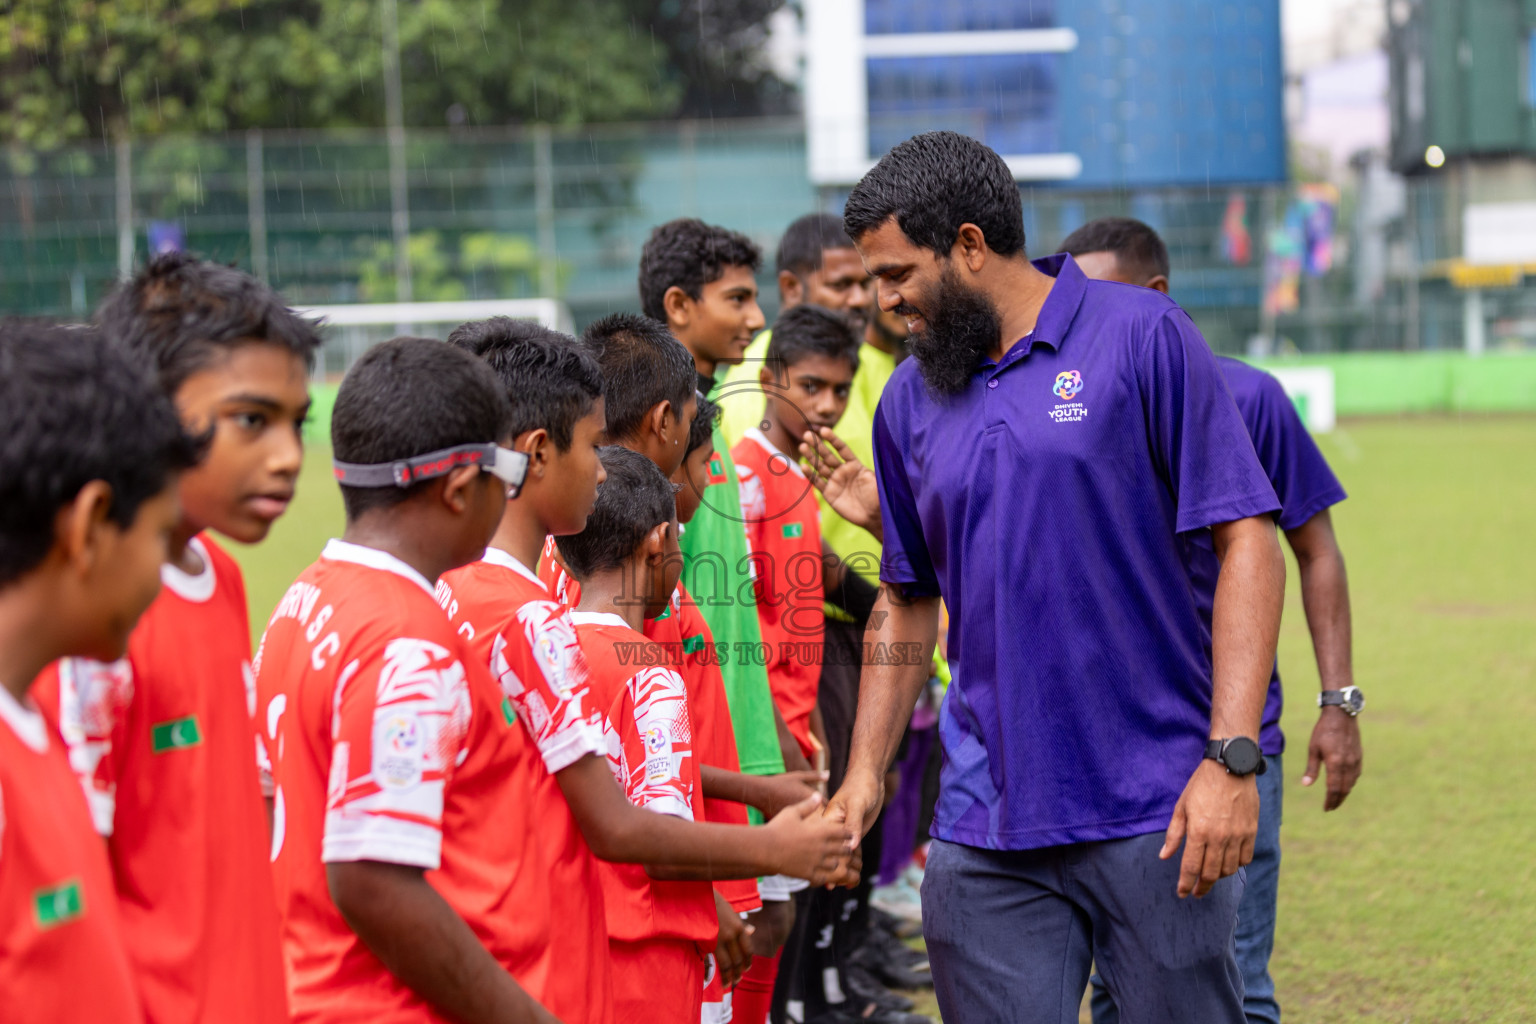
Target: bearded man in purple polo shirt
<point>1040,460</point>
<point>1128,251</point>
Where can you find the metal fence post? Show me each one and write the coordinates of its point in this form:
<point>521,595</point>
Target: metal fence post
<point>394,116</point>
<point>124,207</point>
<point>544,208</point>
<point>1412,336</point>
<point>256,201</point>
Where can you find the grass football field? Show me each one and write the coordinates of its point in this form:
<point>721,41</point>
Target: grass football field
<point>1416,901</point>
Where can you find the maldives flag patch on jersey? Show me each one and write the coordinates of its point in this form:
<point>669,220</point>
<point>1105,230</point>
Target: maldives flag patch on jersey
<point>177,734</point>
<point>59,904</point>
<point>794,531</point>
<point>717,470</point>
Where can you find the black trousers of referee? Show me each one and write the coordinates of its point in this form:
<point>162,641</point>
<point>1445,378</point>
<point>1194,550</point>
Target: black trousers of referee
<point>830,924</point>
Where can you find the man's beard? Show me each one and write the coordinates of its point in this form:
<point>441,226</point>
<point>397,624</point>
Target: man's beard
<point>962,326</point>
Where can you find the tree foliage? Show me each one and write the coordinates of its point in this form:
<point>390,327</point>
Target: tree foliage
<point>94,68</point>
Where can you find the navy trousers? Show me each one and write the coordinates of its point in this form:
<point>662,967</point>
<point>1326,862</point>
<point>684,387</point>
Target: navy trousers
<point>1012,935</point>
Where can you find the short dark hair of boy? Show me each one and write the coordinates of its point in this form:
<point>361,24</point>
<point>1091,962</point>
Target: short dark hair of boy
<point>1135,245</point>
<point>932,184</point>
<point>808,330</point>
<point>642,365</point>
<point>703,427</point>
<point>634,499</point>
<point>689,254</point>
<point>74,409</point>
<point>182,313</point>
<point>407,397</point>
<point>806,239</point>
<point>550,379</point>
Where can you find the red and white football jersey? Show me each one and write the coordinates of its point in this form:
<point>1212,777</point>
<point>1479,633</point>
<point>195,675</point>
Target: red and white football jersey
<point>62,955</point>
<point>390,742</point>
<point>650,750</point>
<point>682,629</point>
<point>529,642</point>
<point>163,742</point>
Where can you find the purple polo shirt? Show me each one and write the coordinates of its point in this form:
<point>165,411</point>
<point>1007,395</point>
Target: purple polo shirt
<point>1045,503</point>
<point>1301,479</point>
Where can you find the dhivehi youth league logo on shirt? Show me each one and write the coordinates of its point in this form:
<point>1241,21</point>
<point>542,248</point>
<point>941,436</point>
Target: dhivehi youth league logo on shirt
<point>1068,384</point>
<point>658,750</point>
<point>398,755</point>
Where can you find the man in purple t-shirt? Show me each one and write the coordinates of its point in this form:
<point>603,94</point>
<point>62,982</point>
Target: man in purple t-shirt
<point>1039,461</point>
<point>1128,251</point>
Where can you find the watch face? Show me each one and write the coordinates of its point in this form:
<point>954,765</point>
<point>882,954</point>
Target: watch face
<point>1354,700</point>
<point>1241,756</point>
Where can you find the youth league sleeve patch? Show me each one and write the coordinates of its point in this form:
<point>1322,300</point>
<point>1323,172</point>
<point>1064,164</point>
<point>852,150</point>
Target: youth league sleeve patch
<point>398,751</point>
<point>661,776</point>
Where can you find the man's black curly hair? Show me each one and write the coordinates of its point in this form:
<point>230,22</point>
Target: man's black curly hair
<point>932,184</point>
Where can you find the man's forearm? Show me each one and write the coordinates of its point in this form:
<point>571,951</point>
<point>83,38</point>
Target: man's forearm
<point>889,686</point>
<point>1325,597</point>
<point>1245,627</point>
<point>427,945</point>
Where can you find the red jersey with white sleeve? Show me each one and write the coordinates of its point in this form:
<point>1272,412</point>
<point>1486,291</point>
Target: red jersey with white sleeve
<point>164,745</point>
<point>650,738</point>
<point>390,742</point>
<point>783,523</point>
<point>62,956</point>
<point>682,629</point>
<point>529,642</point>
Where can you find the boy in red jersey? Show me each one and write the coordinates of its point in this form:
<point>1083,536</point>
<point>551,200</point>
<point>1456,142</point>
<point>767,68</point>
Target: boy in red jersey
<point>87,507</point>
<point>661,928</point>
<point>527,639</point>
<point>163,740</point>
<point>812,357</point>
<point>407,874</point>
<point>646,371</point>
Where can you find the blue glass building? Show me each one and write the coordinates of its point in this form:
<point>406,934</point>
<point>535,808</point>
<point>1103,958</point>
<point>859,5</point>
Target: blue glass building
<point>1110,93</point>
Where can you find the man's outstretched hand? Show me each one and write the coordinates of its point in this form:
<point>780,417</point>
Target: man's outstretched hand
<point>1217,819</point>
<point>846,483</point>
<point>857,803</point>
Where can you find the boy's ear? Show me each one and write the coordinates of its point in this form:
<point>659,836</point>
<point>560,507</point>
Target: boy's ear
<point>791,289</point>
<point>766,377</point>
<point>678,306</point>
<point>78,526</point>
<point>1158,283</point>
<point>539,448</point>
<point>656,543</point>
<point>456,493</point>
<point>656,418</point>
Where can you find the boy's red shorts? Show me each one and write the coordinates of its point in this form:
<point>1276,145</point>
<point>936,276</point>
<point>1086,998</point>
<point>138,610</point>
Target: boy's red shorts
<point>658,981</point>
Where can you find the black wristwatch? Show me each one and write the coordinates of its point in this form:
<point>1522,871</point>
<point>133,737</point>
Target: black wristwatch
<point>1238,755</point>
<point>1349,700</point>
